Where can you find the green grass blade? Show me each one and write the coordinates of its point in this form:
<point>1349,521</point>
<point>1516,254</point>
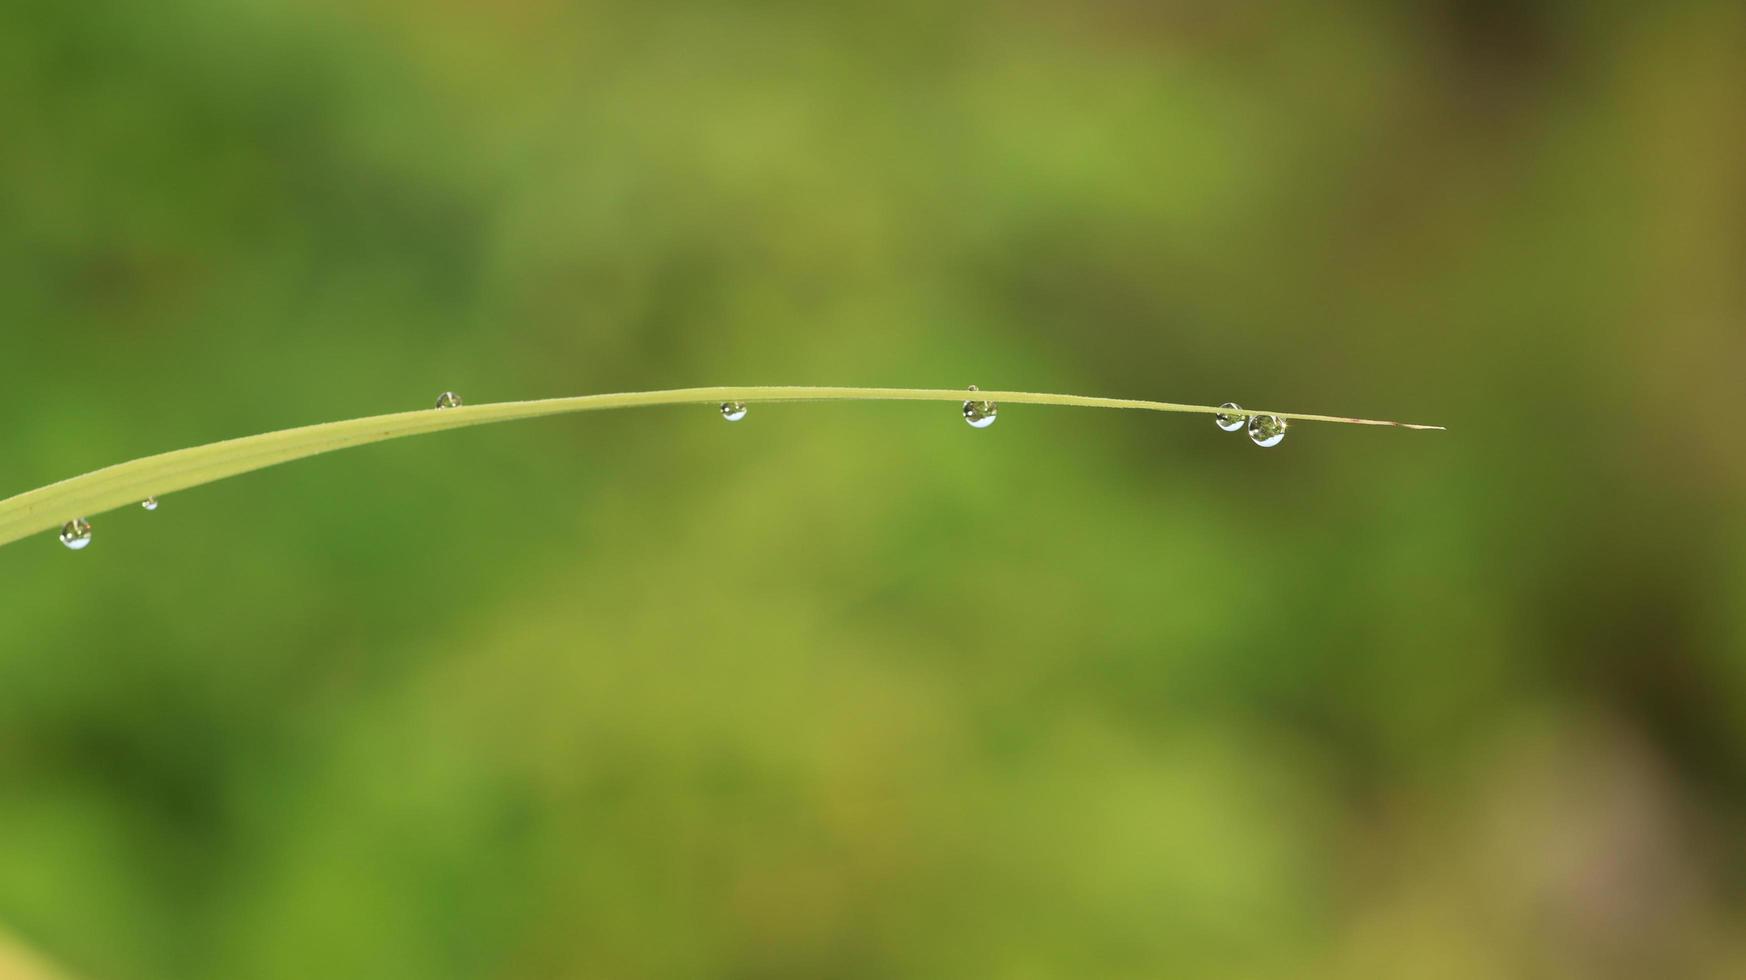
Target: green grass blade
<point>47,508</point>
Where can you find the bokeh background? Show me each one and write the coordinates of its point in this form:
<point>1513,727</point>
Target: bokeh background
<point>853,690</point>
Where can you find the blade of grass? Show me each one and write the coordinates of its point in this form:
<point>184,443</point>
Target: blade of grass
<point>46,508</point>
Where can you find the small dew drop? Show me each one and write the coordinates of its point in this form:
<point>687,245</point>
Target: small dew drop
<point>150,503</point>
<point>733,411</point>
<point>980,414</point>
<point>448,399</point>
<point>76,534</point>
<point>1267,430</point>
<point>1231,420</point>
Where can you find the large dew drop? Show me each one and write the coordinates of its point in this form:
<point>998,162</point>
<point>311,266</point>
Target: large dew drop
<point>980,414</point>
<point>448,399</point>
<point>76,534</point>
<point>733,411</point>
<point>1233,419</point>
<point>1267,431</point>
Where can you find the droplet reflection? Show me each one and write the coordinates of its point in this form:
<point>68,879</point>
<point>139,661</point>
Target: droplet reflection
<point>980,414</point>
<point>76,534</point>
<point>1267,430</point>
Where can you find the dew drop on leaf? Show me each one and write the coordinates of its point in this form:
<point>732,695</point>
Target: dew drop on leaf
<point>733,411</point>
<point>1232,420</point>
<point>1267,430</point>
<point>448,399</point>
<point>150,503</point>
<point>76,534</point>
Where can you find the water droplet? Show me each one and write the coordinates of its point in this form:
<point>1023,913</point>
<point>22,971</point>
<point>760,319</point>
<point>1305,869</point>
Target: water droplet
<point>733,411</point>
<point>980,414</point>
<point>150,503</point>
<point>1267,430</point>
<point>1232,420</point>
<point>448,399</point>
<point>76,534</point>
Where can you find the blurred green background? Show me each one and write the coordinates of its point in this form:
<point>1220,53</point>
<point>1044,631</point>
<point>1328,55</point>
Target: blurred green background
<point>853,690</point>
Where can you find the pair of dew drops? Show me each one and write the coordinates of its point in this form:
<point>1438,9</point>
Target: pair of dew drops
<point>76,534</point>
<point>1265,430</point>
<point>979,414</point>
